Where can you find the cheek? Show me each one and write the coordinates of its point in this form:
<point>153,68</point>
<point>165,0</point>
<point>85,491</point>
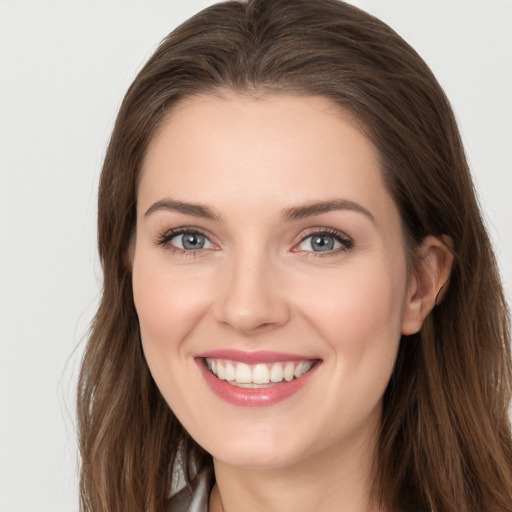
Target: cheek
<point>168,304</point>
<point>358,314</point>
<point>357,303</point>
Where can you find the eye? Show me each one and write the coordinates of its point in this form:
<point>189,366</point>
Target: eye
<point>325,241</point>
<point>185,240</point>
<point>190,241</point>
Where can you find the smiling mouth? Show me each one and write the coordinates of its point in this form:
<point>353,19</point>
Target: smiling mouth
<point>260,375</point>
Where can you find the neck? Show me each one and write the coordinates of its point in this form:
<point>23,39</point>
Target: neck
<point>337,481</point>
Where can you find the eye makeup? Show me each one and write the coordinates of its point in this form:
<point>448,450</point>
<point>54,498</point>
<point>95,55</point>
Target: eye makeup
<point>316,242</point>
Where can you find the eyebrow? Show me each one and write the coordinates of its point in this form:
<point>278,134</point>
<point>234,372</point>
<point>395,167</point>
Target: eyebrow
<point>288,215</point>
<point>194,209</point>
<point>319,207</point>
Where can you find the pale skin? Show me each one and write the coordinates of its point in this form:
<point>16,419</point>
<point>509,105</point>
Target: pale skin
<point>241,172</point>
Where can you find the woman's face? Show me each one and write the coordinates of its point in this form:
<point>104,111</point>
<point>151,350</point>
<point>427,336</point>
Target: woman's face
<point>269,277</point>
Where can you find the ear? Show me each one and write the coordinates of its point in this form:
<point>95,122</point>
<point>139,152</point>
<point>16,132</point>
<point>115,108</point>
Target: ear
<point>428,282</point>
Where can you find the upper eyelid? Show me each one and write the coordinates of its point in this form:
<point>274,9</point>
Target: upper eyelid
<point>327,231</point>
<point>317,230</point>
<point>170,233</point>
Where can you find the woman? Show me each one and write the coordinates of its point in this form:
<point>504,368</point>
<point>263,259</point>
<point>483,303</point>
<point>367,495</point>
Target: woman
<point>301,306</point>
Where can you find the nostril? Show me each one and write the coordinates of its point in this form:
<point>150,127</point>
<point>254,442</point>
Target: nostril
<point>248,306</point>
<point>247,326</point>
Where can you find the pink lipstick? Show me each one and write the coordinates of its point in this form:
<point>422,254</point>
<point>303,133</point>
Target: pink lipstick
<point>255,379</point>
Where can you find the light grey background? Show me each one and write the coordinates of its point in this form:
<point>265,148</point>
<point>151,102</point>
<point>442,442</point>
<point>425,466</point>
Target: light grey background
<point>64,67</point>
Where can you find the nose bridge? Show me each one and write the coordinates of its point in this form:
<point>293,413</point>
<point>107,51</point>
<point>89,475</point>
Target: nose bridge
<point>251,299</point>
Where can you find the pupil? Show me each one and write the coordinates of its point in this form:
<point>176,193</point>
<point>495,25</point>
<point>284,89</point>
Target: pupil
<point>193,241</point>
<point>322,243</point>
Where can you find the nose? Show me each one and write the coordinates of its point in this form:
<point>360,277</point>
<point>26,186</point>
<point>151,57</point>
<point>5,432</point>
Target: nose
<point>251,298</point>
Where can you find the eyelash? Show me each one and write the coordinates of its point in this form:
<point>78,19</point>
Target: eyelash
<point>165,239</point>
<point>346,242</point>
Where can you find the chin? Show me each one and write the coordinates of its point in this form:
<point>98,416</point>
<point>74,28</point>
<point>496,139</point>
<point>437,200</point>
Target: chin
<point>256,458</point>
<point>263,448</point>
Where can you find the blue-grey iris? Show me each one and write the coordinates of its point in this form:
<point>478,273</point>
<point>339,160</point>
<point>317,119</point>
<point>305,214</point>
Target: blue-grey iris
<point>322,243</point>
<point>193,241</point>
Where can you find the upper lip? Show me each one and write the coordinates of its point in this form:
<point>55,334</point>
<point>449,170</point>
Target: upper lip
<point>253,357</point>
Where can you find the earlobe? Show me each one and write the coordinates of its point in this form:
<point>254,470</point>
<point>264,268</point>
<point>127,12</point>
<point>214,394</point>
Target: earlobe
<point>429,282</point>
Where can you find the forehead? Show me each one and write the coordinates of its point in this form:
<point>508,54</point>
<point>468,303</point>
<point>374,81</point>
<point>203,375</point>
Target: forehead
<point>249,149</point>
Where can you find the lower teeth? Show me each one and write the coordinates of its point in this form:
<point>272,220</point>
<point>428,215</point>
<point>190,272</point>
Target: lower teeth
<point>251,385</point>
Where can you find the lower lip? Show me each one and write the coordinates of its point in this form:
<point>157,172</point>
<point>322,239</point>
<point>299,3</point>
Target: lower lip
<point>257,397</point>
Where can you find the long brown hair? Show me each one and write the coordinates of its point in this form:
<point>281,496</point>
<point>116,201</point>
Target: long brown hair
<point>445,443</point>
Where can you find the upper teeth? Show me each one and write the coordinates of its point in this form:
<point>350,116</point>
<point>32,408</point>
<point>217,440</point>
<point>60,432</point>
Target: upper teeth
<point>261,373</point>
